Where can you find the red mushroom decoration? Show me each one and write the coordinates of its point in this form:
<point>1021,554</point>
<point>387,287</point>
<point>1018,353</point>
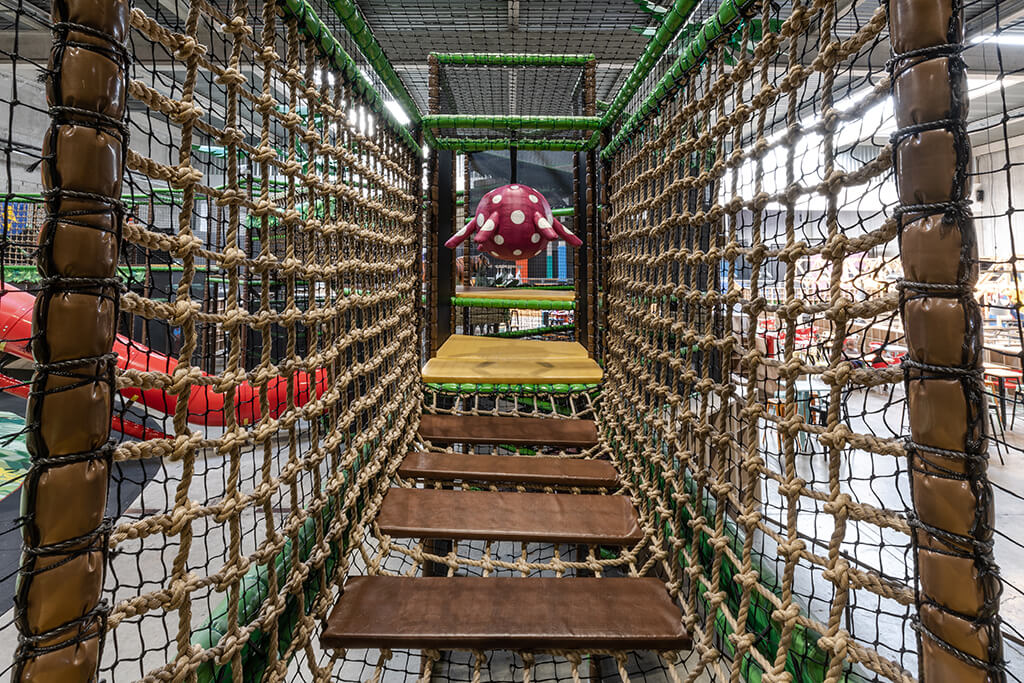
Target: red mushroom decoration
<point>513,222</point>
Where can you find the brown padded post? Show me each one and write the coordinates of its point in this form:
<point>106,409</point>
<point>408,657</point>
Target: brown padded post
<point>527,469</point>
<point>58,611</point>
<point>505,613</point>
<point>958,585</point>
<point>509,516</point>
<point>517,431</point>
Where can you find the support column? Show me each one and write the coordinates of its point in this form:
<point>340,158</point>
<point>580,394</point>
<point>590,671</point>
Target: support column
<point>579,194</point>
<point>958,586</point>
<point>430,255</point>
<point>58,610</point>
<point>588,227</point>
<point>444,215</point>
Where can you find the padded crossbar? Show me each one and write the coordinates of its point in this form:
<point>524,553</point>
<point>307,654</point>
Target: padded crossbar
<point>510,613</point>
<point>516,431</point>
<point>530,469</point>
<point>509,516</point>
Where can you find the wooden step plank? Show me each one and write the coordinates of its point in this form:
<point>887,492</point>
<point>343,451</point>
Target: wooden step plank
<point>509,516</point>
<point>463,613</point>
<point>528,469</point>
<point>516,431</point>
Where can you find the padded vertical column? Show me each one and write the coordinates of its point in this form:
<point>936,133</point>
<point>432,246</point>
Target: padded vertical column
<point>431,255</point>
<point>590,232</point>
<point>579,195</point>
<point>440,261</point>
<point>59,612</point>
<point>958,586</point>
<point>444,215</point>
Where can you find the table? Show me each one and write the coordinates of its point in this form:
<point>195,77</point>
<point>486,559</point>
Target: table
<point>1002,373</point>
<point>1010,353</point>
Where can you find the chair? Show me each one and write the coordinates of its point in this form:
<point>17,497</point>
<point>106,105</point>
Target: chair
<point>995,419</point>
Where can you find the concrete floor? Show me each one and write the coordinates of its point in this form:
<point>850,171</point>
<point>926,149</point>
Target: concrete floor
<point>143,642</point>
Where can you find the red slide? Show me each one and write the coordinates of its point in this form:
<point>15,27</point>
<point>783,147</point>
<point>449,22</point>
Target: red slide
<point>205,405</point>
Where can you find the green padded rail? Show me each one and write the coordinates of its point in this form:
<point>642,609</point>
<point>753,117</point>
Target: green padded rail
<point>490,144</point>
<point>531,304</point>
<point>713,28</point>
<point>353,20</point>
<point>502,59</point>
<point>454,387</point>
<point>311,25</point>
<point>512,122</point>
<point>535,331</point>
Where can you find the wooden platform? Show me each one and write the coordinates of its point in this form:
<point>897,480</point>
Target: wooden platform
<point>466,346</point>
<point>530,469</point>
<point>516,431</point>
<point>505,613</point>
<point>487,360</point>
<point>509,516</point>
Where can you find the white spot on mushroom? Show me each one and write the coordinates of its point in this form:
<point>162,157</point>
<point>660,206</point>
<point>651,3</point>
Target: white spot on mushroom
<point>568,232</point>
<point>544,223</point>
<point>479,219</point>
<point>533,198</point>
<point>461,232</point>
<point>517,252</point>
<point>514,187</point>
<point>517,216</point>
<point>535,237</point>
<point>488,226</point>
<point>498,239</point>
<point>495,254</point>
<point>496,198</point>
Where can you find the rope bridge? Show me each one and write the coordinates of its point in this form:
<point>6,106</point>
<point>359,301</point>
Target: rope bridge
<point>259,451</point>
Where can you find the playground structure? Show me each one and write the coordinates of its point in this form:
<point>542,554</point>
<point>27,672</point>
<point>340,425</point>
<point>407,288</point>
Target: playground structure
<point>710,472</point>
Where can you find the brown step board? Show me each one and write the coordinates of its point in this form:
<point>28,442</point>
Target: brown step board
<point>492,613</point>
<point>527,469</point>
<point>509,516</point>
<point>517,431</point>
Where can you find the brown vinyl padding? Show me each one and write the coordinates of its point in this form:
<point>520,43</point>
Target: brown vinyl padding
<point>518,431</point>
<point>509,516</point>
<point>958,592</point>
<point>528,469</point>
<point>505,613</point>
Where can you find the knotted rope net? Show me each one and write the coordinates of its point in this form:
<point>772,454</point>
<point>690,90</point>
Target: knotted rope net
<point>267,301</point>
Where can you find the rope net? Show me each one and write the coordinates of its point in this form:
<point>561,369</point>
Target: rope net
<point>269,328</point>
<point>614,31</point>
<point>270,380</point>
<point>753,383</point>
<point>742,218</point>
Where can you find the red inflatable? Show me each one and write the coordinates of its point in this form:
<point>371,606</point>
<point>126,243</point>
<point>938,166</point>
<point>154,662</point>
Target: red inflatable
<point>205,404</point>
